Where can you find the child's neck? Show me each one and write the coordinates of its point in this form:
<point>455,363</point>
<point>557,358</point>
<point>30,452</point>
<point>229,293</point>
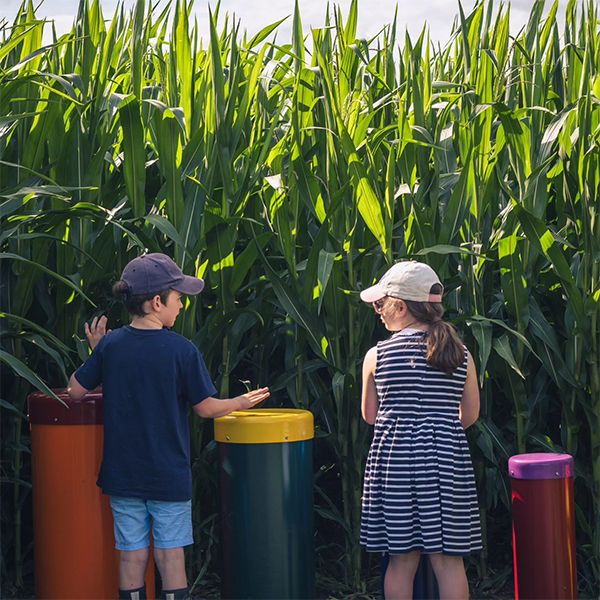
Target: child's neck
<point>148,321</point>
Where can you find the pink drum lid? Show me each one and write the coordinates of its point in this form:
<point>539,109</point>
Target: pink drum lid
<point>46,410</point>
<point>541,465</point>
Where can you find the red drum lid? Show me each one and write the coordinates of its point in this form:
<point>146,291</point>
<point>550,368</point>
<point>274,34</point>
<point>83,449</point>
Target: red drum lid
<point>46,410</point>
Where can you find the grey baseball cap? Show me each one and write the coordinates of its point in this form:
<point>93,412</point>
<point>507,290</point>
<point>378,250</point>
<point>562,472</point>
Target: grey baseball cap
<point>157,272</point>
<point>408,280</point>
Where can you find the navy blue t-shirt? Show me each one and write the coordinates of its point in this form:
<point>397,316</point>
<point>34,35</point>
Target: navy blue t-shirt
<point>149,379</point>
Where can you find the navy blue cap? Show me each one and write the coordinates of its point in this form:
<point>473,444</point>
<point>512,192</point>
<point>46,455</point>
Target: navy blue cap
<point>155,272</point>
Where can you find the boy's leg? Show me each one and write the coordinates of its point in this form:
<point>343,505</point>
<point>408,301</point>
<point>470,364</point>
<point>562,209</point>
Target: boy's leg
<point>132,568</point>
<point>137,594</point>
<point>172,530</point>
<point>171,565</point>
<point>132,537</point>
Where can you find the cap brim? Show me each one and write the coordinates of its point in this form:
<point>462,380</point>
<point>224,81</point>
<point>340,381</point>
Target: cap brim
<point>189,285</point>
<point>372,294</point>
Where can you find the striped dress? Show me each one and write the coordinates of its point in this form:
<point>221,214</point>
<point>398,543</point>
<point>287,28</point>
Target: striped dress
<point>419,488</point>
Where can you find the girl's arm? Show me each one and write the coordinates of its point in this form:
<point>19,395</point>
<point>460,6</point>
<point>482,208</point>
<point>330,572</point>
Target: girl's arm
<point>469,404</point>
<point>369,401</point>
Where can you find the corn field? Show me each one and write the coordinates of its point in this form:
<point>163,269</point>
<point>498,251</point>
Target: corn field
<point>289,175</point>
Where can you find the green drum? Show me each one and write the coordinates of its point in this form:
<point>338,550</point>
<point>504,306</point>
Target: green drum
<point>266,484</point>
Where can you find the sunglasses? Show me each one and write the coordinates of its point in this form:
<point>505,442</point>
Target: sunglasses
<point>379,304</point>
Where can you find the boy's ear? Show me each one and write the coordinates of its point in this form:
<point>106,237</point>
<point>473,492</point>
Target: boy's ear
<point>156,302</point>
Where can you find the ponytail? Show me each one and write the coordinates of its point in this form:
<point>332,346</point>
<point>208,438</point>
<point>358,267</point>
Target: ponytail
<point>135,304</point>
<point>120,289</point>
<point>445,350</point>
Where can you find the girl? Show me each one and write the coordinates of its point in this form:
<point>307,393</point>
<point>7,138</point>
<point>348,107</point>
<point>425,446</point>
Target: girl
<point>420,391</point>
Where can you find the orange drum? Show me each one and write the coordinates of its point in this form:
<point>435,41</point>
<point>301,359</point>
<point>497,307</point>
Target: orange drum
<point>75,555</point>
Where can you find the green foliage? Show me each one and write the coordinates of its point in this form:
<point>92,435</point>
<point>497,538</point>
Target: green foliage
<point>290,176</point>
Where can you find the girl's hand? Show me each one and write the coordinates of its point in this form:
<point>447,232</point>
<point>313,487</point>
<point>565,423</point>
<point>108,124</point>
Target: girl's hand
<point>251,399</point>
<point>96,330</point>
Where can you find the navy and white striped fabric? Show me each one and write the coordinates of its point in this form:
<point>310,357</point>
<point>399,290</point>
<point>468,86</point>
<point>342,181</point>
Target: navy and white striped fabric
<point>419,488</point>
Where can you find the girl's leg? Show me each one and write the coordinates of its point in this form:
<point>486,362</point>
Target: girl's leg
<point>451,577</point>
<point>399,576</point>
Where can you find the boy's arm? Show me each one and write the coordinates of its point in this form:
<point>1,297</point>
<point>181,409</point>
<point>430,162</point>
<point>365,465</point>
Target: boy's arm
<point>94,332</point>
<point>75,390</point>
<point>211,408</point>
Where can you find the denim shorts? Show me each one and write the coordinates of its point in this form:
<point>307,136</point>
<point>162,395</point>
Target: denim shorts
<point>171,523</point>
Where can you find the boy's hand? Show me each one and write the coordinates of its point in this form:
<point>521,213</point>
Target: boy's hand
<point>250,399</point>
<point>96,330</point>
<point>211,408</point>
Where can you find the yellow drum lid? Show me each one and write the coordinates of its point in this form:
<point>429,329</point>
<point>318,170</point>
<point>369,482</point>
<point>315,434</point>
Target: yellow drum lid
<point>265,426</point>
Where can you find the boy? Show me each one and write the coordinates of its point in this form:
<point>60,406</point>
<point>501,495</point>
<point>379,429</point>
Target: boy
<point>149,376</point>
